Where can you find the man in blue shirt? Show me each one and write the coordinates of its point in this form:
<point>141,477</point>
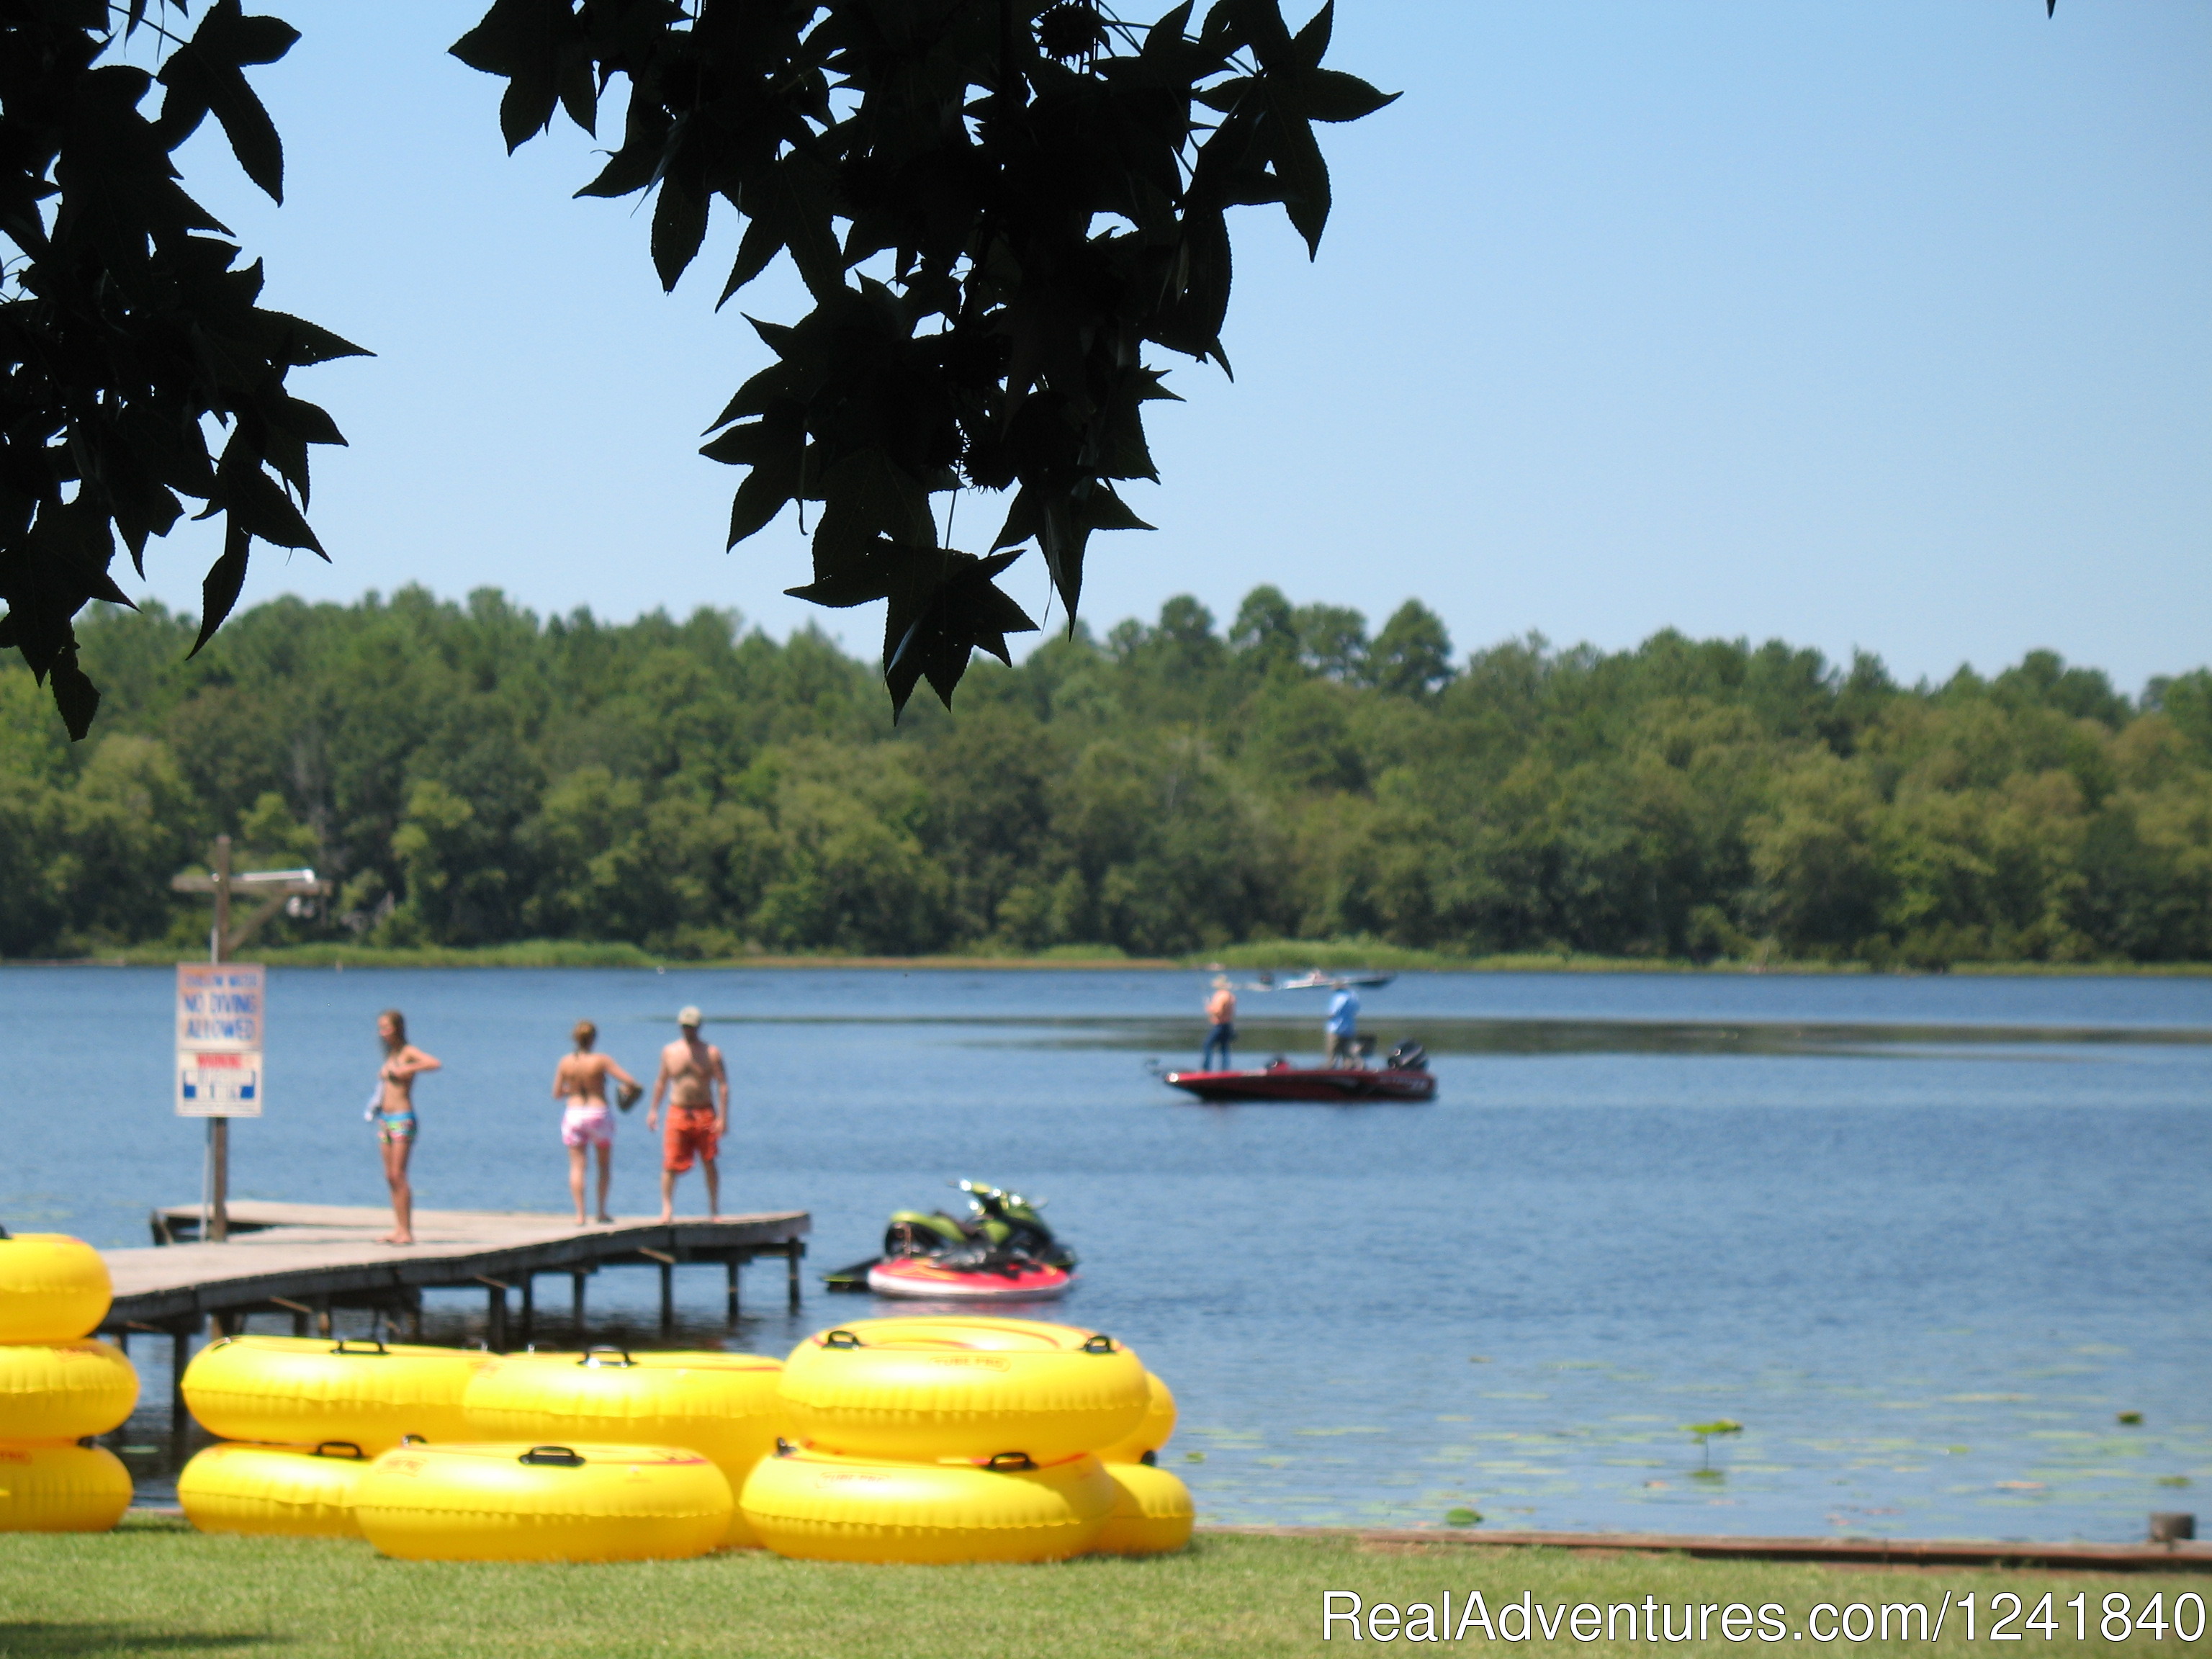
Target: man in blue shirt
<point>1343,1028</point>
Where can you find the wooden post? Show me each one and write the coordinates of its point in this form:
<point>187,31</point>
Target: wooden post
<point>180,1355</point>
<point>218,1227</point>
<point>667,1263</point>
<point>732,1265</point>
<point>496,1315</point>
<point>792,1252</point>
<point>577,1305</point>
<point>529,1306</point>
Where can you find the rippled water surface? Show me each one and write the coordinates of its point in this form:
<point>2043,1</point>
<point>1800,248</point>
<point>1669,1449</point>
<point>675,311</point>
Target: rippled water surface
<point>1926,1239</point>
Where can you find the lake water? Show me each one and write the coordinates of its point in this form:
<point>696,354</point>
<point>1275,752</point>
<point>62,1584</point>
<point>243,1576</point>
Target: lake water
<point>1925,1239</point>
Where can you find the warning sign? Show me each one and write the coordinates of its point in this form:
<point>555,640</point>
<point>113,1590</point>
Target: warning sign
<point>219,1086</point>
<point>219,1029</point>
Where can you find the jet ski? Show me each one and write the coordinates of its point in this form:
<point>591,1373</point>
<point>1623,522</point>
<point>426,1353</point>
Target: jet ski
<point>1403,1077</point>
<point>1000,1250</point>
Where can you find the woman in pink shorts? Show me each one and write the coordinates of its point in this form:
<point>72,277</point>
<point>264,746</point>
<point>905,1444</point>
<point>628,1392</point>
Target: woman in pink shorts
<point>579,1082</point>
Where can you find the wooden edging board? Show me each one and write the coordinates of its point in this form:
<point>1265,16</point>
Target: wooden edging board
<point>1877,1552</point>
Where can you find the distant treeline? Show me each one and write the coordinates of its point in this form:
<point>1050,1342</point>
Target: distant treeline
<point>470,774</point>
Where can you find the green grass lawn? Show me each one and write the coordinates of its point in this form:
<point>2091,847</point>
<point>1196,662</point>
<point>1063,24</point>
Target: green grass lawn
<point>157,1588</point>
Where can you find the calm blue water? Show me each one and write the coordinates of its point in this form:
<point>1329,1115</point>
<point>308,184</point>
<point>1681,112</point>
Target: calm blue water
<point>1924,1238</point>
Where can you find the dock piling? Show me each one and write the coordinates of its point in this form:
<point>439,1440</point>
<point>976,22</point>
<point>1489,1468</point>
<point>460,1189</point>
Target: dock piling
<point>529,1308</point>
<point>180,1355</point>
<point>667,1265</point>
<point>495,1313</point>
<point>791,1257</point>
<point>576,1307</point>
<point>731,1266</point>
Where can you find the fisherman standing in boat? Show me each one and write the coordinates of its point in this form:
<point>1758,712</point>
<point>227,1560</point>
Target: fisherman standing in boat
<point>1221,1025</point>
<point>693,1077</point>
<point>1343,1027</point>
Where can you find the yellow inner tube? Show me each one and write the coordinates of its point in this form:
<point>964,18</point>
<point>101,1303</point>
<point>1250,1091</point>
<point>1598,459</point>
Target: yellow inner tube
<point>64,1390</point>
<point>522,1503</point>
<point>302,1491</point>
<point>296,1391</point>
<point>62,1487</point>
<point>722,1406</point>
<point>53,1288</point>
<point>1152,1512</point>
<point>824,1508</point>
<point>928,1389</point>
<point>1150,1435</point>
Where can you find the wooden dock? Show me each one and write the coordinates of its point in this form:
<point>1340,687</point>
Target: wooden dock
<point>304,1261</point>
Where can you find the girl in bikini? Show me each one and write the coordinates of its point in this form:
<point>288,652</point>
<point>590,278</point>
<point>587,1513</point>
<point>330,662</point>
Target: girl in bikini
<point>396,1127</point>
<point>579,1082</point>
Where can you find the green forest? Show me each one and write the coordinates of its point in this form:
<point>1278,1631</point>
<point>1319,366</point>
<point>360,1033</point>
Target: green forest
<point>470,774</point>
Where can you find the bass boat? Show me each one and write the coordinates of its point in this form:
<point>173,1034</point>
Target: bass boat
<point>1000,1250</point>
<point>1403,1078</point>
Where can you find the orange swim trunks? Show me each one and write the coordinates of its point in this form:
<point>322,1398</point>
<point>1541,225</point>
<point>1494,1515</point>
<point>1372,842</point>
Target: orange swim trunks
<point>692,1134</point>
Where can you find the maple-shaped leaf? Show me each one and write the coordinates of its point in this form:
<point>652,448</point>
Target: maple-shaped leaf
<point>944,606</point>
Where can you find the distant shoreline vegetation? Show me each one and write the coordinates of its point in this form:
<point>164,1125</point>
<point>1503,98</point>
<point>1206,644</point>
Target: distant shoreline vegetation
<point>581,953</point>
<point>487,787</point>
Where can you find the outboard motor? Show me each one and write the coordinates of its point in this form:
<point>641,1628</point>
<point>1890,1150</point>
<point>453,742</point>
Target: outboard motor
<point>1408,1056</point>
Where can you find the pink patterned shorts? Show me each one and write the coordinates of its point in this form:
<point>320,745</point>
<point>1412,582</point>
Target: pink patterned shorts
<point>587,1123</point>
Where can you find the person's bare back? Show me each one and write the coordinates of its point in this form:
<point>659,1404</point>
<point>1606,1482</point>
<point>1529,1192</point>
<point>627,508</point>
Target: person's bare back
<point>582,1077</point>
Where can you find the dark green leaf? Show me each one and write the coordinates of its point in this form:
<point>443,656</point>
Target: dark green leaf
<point>679,225</point>
<point>1312,42</point>
<point>219,589</point>
<point>1298,164</point>
<point>765,493</point>
<point>761,243</point>
<point>1332,95</point>
<point>75,696</point>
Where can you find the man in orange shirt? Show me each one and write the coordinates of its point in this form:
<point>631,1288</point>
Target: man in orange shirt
<point>698,1090</point>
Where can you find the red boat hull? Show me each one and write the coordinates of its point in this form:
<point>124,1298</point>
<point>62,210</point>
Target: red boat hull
<point>918,1276</point>
<point>1333,1083</point>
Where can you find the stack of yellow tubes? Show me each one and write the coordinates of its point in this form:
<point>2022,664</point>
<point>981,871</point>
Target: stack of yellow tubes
<point>416,1448</point>
<point>58,1387</point>
<point>960,1438</point>
<point>722,1406</point>
<point>301,1419</point>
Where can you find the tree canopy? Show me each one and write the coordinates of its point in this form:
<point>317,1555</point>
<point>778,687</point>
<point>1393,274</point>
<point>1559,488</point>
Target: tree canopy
<point>996,208</point>
<point>473,774</point>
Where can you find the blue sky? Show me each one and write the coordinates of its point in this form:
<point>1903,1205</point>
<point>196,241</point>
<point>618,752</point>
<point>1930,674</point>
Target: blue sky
<point>1858,324</point>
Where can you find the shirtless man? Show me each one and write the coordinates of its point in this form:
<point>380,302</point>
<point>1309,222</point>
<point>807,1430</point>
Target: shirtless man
<point>1220,1024</point>
<point>692,1076</point>
<point>579,1082</point>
